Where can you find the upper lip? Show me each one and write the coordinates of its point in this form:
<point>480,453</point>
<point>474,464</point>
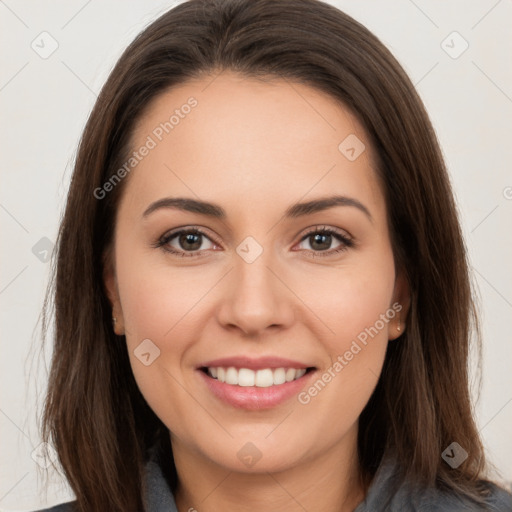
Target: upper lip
<point>254,363</point>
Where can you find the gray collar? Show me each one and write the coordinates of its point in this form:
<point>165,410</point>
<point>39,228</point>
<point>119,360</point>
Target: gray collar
<point>159,497</point>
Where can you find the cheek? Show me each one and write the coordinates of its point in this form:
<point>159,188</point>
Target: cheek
<point>157,295</point>
<point>355,305</point>
<point>155,301</point>
<point>352,299</point>
<point>160,309</point>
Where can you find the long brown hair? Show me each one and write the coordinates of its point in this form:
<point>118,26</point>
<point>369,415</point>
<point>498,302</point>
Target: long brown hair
<point>95,416</point>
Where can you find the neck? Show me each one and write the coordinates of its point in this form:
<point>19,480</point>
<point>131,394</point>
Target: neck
<point>329,482</point>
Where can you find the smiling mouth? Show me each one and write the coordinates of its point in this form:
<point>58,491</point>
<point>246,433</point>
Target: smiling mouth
<point>262,378</point>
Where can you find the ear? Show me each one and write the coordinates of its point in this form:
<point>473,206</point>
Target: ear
<point>110,282</point>
<point>400,304</point>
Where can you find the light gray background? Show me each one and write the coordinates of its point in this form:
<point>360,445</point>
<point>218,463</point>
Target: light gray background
<point>44,105</point>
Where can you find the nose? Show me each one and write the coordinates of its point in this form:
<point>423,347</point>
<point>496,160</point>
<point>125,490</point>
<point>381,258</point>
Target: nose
<point>256,299</point>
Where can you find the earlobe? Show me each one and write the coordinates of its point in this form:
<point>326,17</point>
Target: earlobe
<point>401,296</point>
<point>112,291</point>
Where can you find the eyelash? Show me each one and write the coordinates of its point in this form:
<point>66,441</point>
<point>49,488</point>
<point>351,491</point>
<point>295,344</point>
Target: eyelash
<point>346,242</point>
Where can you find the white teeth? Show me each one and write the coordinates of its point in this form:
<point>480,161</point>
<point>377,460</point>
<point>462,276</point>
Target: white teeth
<point>260,378</point>
<point>290,374</point>
<point>279,376</point>
<point>231,376</point>
<point>246,377</point>
<point>264,378</point>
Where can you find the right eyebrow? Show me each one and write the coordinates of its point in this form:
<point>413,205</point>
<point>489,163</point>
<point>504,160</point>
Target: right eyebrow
<point>186,204</point>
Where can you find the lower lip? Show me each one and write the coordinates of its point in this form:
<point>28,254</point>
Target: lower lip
<point>252,397</point>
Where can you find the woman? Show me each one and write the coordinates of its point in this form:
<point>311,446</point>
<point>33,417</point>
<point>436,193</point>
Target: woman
<point>262,294</point>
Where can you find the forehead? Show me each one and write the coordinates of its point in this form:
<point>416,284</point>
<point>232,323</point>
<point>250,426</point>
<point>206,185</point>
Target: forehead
<point>270,141</point>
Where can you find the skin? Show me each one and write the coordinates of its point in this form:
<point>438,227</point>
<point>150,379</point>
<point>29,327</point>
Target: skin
<point>255,148</point>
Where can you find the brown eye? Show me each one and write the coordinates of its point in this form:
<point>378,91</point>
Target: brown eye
<point>326,240</point>
<point>320,241</point>
<point>186,242</point>
<point>190,241</point>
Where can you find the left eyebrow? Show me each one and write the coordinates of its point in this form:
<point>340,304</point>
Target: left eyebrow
<point>321,204</point>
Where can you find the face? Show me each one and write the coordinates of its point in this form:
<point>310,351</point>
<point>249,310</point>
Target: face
<point>257,308</point>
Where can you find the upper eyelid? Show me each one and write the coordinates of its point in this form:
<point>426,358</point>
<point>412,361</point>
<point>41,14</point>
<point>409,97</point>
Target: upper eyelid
<point>186,229</point>
<point>322,228</point>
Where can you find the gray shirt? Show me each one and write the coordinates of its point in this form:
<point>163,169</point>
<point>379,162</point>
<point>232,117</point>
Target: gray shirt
<point>382,496</point>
